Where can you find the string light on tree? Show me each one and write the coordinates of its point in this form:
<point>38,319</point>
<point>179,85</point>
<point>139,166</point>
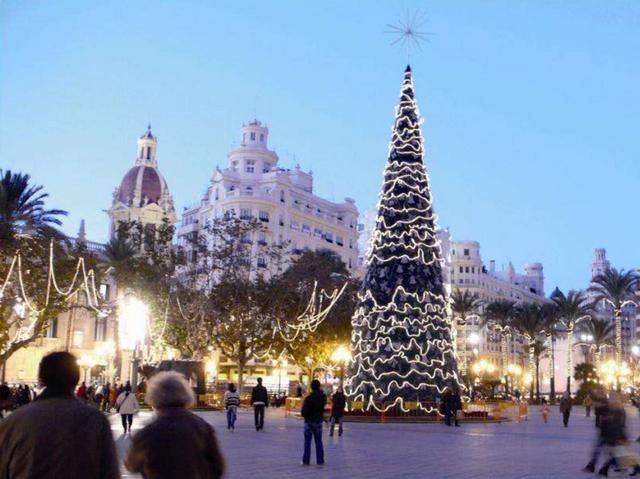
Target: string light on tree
<point>402,344</point>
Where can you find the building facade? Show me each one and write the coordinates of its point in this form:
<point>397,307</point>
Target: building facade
<point>142,195</point>
<point>254,185</point>
<point>465,270</point>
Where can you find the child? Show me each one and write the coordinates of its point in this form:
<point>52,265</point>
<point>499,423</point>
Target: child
<point>545,411</point>
<point>231,403</point>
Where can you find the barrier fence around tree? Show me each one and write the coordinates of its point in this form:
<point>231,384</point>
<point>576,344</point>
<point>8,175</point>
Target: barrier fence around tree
<point>423,411</point>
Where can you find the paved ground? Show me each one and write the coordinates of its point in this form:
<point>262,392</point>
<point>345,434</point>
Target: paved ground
<point>510,450</point>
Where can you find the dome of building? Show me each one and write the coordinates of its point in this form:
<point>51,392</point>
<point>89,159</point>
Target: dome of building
<point>142,185</point>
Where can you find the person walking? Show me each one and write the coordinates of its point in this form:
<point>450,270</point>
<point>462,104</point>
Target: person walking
<point>565,408</point>
<point>445,402</point>
<point>56,435</point>
<point>113,396</point>
<point>338,403</point>
<point>82,391</point>
<point>545,410</point>
<point>177,444</point>
<point>259,400</point>
<point>587,403</point>
<point>127,406</point>
<point>313,412</point>
<point>231,403</point>
<point>455,405</point>
<point>5,398</point>
<point>613,434</point>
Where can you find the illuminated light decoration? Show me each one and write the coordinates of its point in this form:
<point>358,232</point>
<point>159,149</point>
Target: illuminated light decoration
<point>82,280</point>
<point>402,343</point>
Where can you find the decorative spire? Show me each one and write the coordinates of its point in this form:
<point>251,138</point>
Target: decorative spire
<point>82,233</point>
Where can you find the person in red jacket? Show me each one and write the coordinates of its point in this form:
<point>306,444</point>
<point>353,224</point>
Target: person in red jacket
<point>82,391</point>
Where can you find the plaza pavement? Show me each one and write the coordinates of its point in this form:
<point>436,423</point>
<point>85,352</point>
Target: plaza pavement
<point>529,449</point>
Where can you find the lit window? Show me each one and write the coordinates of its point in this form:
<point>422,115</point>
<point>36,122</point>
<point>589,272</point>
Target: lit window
<point>78,338</point>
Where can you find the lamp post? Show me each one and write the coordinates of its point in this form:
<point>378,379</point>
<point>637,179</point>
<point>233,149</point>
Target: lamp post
<point>87,363</point>
<point>341,356</point>
<point>133,330</point>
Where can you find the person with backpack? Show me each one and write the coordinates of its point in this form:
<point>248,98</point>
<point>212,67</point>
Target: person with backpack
<point>313,412</point>
<point>127,406</point>
<point>231,403</point>
<point>259,400</point>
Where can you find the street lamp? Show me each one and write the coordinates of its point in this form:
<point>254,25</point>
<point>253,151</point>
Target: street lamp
<point>87,363</point>
<point>341,356</point>
<point>133,330</point>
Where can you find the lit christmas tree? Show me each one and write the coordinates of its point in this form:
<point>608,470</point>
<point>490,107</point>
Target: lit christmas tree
<point>402,342</point>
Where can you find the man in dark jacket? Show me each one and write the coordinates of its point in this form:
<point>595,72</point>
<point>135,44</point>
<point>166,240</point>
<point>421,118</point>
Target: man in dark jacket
<point>259,400</point>
<point>57,435</point>
<point>338,402</point>
<point>312,412</point>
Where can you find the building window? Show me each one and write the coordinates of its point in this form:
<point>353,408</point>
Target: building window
<point>281,196</point>
<point>262,238</point>
<point>295,226</point>
<point>328,237</point>
<point>104,291</point>
<point>252,136</point>
<point>234,165</point>
<point>250,166</point>
<point>148,152</point>
<point>317,232</point>
<point>473,269</point>
<point>306,229</point>
<point>262,262</point>
<point>52,329</point>
<point>281,221</point>
<point>245,238</point>
<point>266,168</point>
<point>248,191</point>
<point>466,269</point>
<point>264,216</point>
<point>461,270</point>
<point>466,252</point>
<point>350,243</point>
<point>101,329</point>
<point>339,241</point>
<point>262,137</point>
<point>217,195</point>
<point>245,214</point>
<point>78,338</point>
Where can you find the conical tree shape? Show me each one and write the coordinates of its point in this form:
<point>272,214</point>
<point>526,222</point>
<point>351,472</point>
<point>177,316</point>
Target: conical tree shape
<point>402,343</point>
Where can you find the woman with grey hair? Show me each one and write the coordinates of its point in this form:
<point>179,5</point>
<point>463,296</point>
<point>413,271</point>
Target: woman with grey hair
<point>177,444</point>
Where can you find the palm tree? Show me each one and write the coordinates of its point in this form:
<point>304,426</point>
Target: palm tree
<point>499,315</point>
<point>550,317</point>
<point>617,289</point>
<point>464,304</point>
<point>572,309</point>
<point>528,321</point>
<point>602,331</point>
<point>22,211</point>
<point>539,350</point>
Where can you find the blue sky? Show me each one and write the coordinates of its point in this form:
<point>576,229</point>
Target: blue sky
<point>531,108</point>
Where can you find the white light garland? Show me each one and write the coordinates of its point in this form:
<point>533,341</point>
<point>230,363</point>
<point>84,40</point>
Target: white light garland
<point>402,339</point>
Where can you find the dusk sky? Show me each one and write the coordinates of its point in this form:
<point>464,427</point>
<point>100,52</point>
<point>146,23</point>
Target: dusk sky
<point>531,109</point>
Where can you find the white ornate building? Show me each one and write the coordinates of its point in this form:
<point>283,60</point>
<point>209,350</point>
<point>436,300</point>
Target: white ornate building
<point>143,194</point>
<point>465,270</point>
<point>254,185</point>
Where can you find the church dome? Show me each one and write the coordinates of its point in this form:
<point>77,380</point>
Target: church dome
<point>142,185</point>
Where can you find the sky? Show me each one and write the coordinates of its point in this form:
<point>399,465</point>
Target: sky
<point>531,108</point>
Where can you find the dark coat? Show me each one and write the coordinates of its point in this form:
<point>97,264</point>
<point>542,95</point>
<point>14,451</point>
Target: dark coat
<point>57,436</point>
<point>453,402</point>
<point>313,407</point>
<point>612,426</point>
<point>338,402</point>
<point>259,394</point>
<point>177,445</point>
